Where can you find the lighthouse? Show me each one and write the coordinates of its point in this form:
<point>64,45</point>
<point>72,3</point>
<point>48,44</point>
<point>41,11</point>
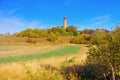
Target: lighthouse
<point>65,23</point>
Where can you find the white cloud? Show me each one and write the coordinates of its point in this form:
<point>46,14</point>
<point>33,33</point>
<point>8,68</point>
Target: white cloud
<point>10,24</point>
<point>97,22</point>
<point>13,24</point>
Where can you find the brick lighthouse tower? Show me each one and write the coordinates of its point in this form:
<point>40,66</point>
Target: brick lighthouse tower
<point>65,23</point>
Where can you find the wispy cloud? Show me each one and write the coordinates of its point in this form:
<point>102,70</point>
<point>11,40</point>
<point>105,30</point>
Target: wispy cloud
<point>97,22</point>
<point>13,24</point>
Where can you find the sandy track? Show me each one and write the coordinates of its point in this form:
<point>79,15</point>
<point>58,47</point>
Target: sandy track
<point>83,53</point>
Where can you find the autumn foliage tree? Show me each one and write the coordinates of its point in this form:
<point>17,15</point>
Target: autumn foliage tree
<point>72,29</point>
<point>107,53</point>
<point>81,39</point>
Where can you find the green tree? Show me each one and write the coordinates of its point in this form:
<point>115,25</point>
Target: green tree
<point>72,29</point>
<point>81,39</point>
<point>32,33</point>
<point>98,37</point>
<point>38,33</point>
<point>59,30</point>
<point>52,37</point>
<point>26,33</point>
<point>107,53</point>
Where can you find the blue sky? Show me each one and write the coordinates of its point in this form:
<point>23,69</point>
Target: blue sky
<point>17,15</point>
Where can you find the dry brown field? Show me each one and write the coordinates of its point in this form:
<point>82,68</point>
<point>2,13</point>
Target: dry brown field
<point>35,69</point>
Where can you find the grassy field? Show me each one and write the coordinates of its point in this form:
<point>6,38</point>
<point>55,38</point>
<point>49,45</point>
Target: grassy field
<point>23,40</point>
<point>24,49</point>
<point>64,50</point>
<point>32,62</point>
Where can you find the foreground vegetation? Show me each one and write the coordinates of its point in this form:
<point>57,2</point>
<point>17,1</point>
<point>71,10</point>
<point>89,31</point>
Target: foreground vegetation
<point>106,55</point>
<point>25,72</point>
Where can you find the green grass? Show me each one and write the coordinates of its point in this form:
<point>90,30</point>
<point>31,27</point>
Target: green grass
<point>65,50</point>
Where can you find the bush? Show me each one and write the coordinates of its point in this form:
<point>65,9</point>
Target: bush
<point>81,39</point>
<point>53,37</point>
<point>107,52</point>
<point>75,33</point>
<point>31,41</point>
<point>97,37</point>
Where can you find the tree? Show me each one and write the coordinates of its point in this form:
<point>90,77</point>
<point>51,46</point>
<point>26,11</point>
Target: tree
<point>53,37</point>
<point>87,31</point>
<point>38,33</point>
<point>97,37</point>
<point>107,53</point>
<point>26,33</point>
<point>32,33</point>
<point>59,30</point>
<point>81,39</point>
<point>72,29</point>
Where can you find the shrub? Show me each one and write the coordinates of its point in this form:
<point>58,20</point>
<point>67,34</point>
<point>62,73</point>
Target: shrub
<point>31,41</point>
<point>81,39</point>
<point>107,52</point>
<point>72,29</point>
<point>97,37</point>
<point>53,37</point>
<point>75,33</point>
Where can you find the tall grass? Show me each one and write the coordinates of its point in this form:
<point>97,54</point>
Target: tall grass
<point>25,72</point>
<point>65,50</point>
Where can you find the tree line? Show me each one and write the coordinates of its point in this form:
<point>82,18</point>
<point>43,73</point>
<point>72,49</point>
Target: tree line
<point>39,33</point>
<point>52,34</point>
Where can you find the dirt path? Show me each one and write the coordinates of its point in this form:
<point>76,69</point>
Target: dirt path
<point>83,52</point>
